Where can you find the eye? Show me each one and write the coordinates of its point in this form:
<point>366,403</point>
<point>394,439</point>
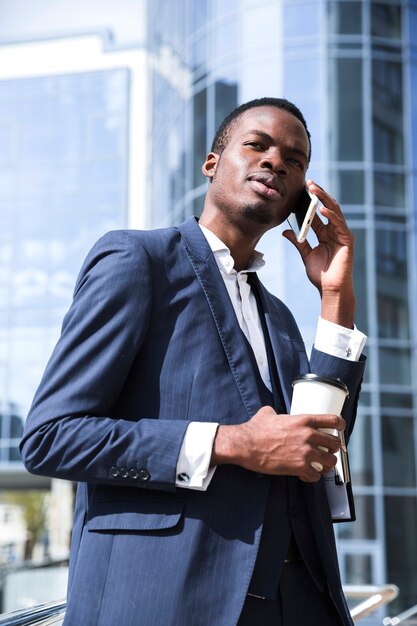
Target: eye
<point>297,162</point>
<point>255,144</point>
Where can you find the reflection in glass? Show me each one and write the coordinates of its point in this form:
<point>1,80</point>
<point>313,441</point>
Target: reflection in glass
<point>105,134</point>
<point>350,187</point>
<point>346,140</point>
<point>358,569</point>
<point>387,111</point>
<point>6,141</point>
<point>345,18</point>
<point>392,283</point>
<point>200,135</point>
<point>365,399</point>
<point>385,20</point>
<point>398,451</point>
<point>198,205</point>
<point>16,426</point>
<point>394,366</point>
<point>307,26</point>
<point>224,43</point>
<point>14,454</point>
<point>360,279</point>
<point>396,400</point>
<point>53,211</point>
<point>401,545</point>
<point>364,527</point>
<point>389,189</point>
<point>226,93</point>
<point>361,452</point>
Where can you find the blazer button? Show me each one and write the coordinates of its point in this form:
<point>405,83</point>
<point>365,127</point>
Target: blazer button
<point>144,474</point>
<point>133,473</point>
<point>114,472</point>
<point>123,472</point>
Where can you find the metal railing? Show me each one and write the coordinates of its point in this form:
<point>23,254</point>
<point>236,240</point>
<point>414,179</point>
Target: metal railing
<point>372,597</point>
<point>402,618</point>
<point>42,615</point>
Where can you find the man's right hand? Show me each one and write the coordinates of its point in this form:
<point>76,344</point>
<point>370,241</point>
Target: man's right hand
<point>279,444</point>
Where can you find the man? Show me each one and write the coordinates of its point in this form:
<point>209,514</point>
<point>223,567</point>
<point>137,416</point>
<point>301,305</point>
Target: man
<point>167,399</point>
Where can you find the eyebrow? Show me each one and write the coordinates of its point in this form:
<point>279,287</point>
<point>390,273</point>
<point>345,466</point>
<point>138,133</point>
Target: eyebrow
<point>267,137</point>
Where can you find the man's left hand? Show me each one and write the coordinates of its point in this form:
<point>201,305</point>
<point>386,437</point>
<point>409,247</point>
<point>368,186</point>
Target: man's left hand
<point>329,265</point>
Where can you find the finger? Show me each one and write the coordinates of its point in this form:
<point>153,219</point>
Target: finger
<point>329,203</point>
<point>303,248</point>
<point>317,224</point>
<point>326,459</point>
<point>328,442</point>
<point>334,215</point>
<point>311,474</point>
<point>325,421</point>
<point>317,466</point>
<point>321,194</point>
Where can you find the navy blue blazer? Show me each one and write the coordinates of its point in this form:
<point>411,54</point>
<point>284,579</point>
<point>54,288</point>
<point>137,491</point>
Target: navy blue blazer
<point>150,343</point>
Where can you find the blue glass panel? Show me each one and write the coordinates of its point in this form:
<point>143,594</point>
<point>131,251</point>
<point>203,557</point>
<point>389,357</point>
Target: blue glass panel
<point>308,25</point>
<point>345,18</point>
<point>365,526</point>
<point>386,20</point>
<point>413,110</point>
<point>54,204</point>
<point>395,366</point>
<point>398,451</point>
<point>6,141</point>
<point>401,548</point>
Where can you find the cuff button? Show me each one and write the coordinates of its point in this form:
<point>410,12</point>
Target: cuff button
<point>144,474</point>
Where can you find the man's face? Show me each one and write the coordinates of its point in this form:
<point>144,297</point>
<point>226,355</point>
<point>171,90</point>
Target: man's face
<point>260,174</point>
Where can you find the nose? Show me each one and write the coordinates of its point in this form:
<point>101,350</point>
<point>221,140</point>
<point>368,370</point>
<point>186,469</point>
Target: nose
<point>272,160</point>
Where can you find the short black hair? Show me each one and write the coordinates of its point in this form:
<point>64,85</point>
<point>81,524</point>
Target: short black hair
<point>223,134</point>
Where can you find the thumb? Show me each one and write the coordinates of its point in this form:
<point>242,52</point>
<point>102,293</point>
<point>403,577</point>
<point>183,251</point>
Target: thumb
<point>290,235</point>
<point>303,248</point>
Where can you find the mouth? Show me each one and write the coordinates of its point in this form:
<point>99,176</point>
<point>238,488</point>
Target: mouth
<point>266,185</point>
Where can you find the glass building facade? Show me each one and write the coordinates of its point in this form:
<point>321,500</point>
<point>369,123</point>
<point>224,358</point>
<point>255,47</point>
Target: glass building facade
<point>351,66</point>
<point>65,179</point>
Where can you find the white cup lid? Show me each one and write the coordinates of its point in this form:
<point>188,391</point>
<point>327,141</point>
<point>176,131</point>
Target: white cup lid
<point>315,378</point>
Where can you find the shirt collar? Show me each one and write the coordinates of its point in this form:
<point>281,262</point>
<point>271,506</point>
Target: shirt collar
<point>223,257</point>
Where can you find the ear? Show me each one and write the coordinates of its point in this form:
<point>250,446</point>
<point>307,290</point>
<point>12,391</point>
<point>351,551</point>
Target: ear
<point>210,164</point>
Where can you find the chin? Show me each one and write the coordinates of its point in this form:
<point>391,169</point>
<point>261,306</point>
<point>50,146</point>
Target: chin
<point>261,215</point>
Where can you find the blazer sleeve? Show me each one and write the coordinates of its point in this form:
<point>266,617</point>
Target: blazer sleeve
<point>351,372</point>
<point>69,433</point>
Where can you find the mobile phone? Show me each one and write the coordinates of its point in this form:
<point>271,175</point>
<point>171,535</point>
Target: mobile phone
<point>302,214</point>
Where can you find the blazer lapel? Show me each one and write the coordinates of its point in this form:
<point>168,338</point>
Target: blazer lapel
<point>221,308</point>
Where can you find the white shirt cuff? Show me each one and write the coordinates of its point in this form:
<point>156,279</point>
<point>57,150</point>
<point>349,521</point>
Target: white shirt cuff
<point>345,343</point>
<point>193,465</point>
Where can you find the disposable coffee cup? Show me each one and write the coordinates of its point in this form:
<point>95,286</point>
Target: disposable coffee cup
<point>316,395</point>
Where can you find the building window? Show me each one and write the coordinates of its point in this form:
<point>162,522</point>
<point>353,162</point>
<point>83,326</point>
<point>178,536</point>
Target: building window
<point>386,20</point>
<point>347,104</point>
<point>401,545</point>
<point>394,366</point>
<point>398,451</point>
<point>345,18</point>
<point>392,284</point>
<point>364,527</point>
<point>387,112</point>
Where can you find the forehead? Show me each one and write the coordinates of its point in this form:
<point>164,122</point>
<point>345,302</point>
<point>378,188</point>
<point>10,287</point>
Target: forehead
<point>276,122</point>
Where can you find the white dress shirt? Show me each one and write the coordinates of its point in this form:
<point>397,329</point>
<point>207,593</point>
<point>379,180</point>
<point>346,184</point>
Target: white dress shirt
<point>193,466</point>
